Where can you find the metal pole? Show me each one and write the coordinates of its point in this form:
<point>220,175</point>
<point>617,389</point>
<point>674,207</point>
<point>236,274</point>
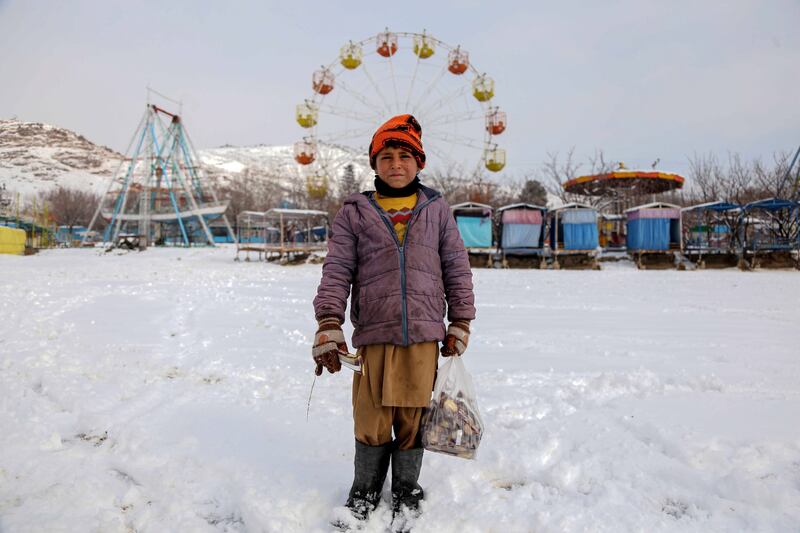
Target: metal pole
<point>555,240</point>
<point>165,173</point>
<point>193,154</point>
<point>187,187</point>
<point>123,197</point>
<point>789,172</point>
<point>282,229</point>
<point>113,178</point>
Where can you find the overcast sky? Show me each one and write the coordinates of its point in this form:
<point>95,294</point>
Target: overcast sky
<point>638,79</point>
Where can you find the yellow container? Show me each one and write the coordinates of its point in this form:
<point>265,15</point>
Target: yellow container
<point>483,88</point>
<point>350,56</point>
<point>306,115</point>
<point>423,46</point>
<point>495,159</point>
<point>317,186</point>
<point>12,241</point>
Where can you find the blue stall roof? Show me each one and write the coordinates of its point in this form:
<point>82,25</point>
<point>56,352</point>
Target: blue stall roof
<point>772,204</point>
<point>719,206</point>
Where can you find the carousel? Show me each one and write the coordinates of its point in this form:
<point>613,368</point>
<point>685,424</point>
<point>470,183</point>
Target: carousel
<point>625,183</point>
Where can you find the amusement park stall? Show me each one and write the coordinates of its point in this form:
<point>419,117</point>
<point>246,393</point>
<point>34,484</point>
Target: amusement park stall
<point>654,234</point>
<point>771,230</point>
<point>710,234</point>
<point>474,221</point>
<point>573,236</point>
<point>612,232</point>
<point>521,234</point>
<point>284,234</point>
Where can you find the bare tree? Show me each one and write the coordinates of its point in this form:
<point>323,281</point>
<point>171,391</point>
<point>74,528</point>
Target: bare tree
<point>738,181</point>
<point>782,224</point>
<point>71,207</point>
<point>706,177</point>
<point>251,190</point>
<point>771,180</point>
<point>453,186</point>
<point>598,164</point>
<point>237,193</point>
<point>557,174</point>
<point>741,182</point>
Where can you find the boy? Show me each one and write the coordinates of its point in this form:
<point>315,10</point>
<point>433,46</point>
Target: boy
<point>400,253</point>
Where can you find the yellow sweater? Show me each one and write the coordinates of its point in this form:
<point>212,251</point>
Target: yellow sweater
<point>399,210</point>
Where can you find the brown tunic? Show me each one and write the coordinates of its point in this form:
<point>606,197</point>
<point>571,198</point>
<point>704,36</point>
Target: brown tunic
<point>397,376</point>
<point>392,391</point>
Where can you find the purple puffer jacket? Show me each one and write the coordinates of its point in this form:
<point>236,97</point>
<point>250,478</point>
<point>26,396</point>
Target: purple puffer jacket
<point>399,291</point>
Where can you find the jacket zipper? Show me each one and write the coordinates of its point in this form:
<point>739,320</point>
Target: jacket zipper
<point>401,250</point>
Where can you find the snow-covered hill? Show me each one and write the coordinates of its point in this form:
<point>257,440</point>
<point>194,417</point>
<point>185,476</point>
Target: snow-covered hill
<point>36,157</point>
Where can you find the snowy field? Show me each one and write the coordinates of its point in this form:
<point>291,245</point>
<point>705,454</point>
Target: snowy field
<point>166,391</point>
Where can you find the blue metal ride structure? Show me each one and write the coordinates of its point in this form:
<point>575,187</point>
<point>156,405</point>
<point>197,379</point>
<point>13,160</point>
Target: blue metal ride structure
<point>161,196</point>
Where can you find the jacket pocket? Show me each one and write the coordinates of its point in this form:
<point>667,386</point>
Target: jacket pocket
<point>379,303</point>
<point>426,307</point>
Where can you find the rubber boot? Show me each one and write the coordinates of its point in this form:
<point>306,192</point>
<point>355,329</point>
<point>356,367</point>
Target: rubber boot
<point>371,465</point>
<point>406,492</point>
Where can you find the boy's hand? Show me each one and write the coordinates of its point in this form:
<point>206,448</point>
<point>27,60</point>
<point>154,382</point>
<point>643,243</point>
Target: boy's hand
<point>328,342</point>
<point>457,338</point>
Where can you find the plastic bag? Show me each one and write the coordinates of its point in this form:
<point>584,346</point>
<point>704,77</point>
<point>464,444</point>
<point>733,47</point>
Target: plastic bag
<point>452,423</point>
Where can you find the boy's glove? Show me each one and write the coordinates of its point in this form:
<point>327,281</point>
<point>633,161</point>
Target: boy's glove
<point>328,342</point>
<point>457,338</point>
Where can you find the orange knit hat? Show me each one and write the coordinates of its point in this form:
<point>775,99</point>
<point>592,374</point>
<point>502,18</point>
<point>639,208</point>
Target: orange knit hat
<point>402,130</point>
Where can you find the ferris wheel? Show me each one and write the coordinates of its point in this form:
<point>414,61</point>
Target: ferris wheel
<point>389,74</point>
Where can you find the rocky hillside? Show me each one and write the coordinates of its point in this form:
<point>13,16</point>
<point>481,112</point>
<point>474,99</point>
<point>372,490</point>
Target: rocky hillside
<point>36,157</point>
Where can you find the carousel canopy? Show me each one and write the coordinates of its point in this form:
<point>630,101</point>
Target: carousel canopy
<point>632,182</point>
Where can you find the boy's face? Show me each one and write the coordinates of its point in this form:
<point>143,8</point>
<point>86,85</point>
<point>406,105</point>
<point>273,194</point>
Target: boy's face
<point>396,166</point>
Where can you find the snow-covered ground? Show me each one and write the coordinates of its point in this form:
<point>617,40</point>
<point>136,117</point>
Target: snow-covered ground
<point>167,391</point>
